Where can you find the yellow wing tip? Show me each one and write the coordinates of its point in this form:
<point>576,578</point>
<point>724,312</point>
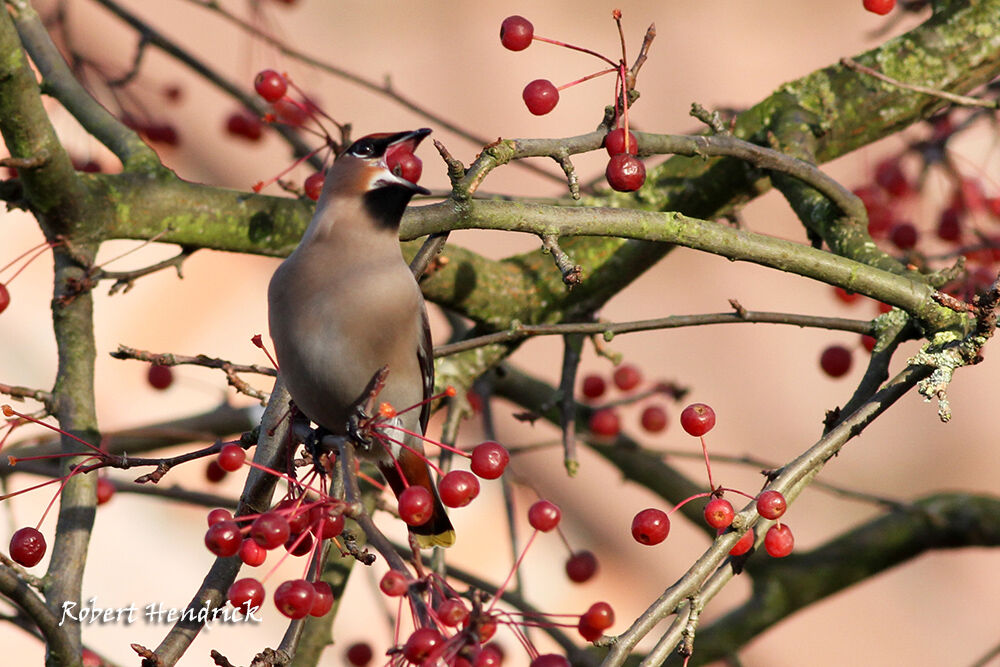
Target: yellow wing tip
<point>445,539</point>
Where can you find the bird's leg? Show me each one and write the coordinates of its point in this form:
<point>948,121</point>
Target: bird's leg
<point>360,415</point>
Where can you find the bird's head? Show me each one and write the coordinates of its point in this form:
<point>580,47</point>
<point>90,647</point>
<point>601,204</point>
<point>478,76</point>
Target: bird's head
<point>378,161</point>
<point>375,168</point>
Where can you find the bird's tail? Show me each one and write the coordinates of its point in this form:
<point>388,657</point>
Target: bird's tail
<point>436,531</point>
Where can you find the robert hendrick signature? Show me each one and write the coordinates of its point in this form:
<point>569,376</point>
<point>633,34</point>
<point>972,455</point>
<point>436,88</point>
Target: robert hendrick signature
<point>155,612</point>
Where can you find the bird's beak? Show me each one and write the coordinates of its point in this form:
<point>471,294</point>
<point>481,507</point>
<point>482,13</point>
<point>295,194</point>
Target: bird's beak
<point>406,142</point>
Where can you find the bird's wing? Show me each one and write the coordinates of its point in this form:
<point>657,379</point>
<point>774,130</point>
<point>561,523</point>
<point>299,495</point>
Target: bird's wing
<point>425,355</point>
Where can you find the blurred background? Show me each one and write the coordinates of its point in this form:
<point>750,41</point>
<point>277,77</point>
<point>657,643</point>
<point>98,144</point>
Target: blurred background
<point>763,381</point>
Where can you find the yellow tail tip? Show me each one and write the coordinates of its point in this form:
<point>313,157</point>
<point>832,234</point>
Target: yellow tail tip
<point>445,539</point>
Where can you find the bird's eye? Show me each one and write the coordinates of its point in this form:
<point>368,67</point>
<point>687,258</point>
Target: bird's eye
<point>363,148</point>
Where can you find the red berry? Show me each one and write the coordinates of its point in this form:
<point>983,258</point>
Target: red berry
<point>105,489</point>
<point>219,514</point>
<point>868,342</point>
<point>880,7</point>
<point>313,185</point>
<point>719,513</point>
<point>614,142</point>
<point>581,566</point>
<point>544,515</point>
<point>778,541</point>
<point>324,524</point>
<point>421,643</point>
<point>452,612</point>
<point>489,460</point>
<point>290,112</point>
<point>903,235</point>
<point>516,33</point>
<point>593,386</point>
<point>540,96</point>
<point>605,423</point>
<point>270,85</point>
<point>4,297</point>
<point>845,296</point>
<point>160,377</point>
<point>550,660</point>
<point>627,377</point>
<point>889,175</point>
<point>90,659</point>
<point>416,505</point>
<point>742,545</point>
<point>214,472</point>
<point>458,488</point>
<point>835,361</point>
<point>697,419</point>
<point>359,654</point>
<point>223,539</point>
<point>252,553</point>
<point>490,656</point>
<point>299,545</point>
<point>654,419</point>
<point>27,546</point>
<point>323,601</point>
<point>270,530</point>
<point>405,165</point>
<point>244,124</point>
<point>393,584</point>
<point>163,133</point>
<point>596,620</point>
<point>625,173</point>
<point>297,517</point>
<point>650,526</point>
<point>771,504</point>
<point>294,598</point>
<point>246,593</point>
<point>231,458</point>
<point>950,224</point>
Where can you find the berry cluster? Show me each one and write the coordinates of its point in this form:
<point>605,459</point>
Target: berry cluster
<point>652,525</point>
<point>605,421</point>
<point>625,172</point>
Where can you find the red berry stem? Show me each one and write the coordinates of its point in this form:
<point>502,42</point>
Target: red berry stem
<point>38,250</point>
<point>258,341</point>
<point>510,575</point>
<point>11,412</point>
<point>684,502</point>
<point>315,108</point>
<point>260,185</point>
<point>65,480</point>
<point>708,464</point>
<point>587,78</point>
<point>415,452</point>
<point>575,48</point>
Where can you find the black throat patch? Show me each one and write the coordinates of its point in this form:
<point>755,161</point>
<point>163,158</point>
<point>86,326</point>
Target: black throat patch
<point>386,205</point>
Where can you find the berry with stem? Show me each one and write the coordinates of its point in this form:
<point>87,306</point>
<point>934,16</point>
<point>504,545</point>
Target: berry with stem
<point>614,143</point>
<point>771,504</point>
<point>516,33</point>
<point>393,584</point>
<point>323,602</point>
<point>252,553</point>
<point>778,540</point>
<point>270,85</point>
<point>246,594</point>
<point>625,173</point>
<point>458,488</point>
<point>489,460</point>
<point>223,539</point>
<point>421,643</point>
<point>270,530</point>
<point>294,598</point>
<point>231,458</point>
<point>719,513</point>
<point>27,546</point>
<point>650,526</point>
<point>544,515</point>
<point>540,96</point>
<point>697,419</point>
<point>416,505</point>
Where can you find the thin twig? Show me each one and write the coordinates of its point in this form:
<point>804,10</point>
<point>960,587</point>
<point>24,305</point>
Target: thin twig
<point>962,100</point>
<point>609,329</point>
